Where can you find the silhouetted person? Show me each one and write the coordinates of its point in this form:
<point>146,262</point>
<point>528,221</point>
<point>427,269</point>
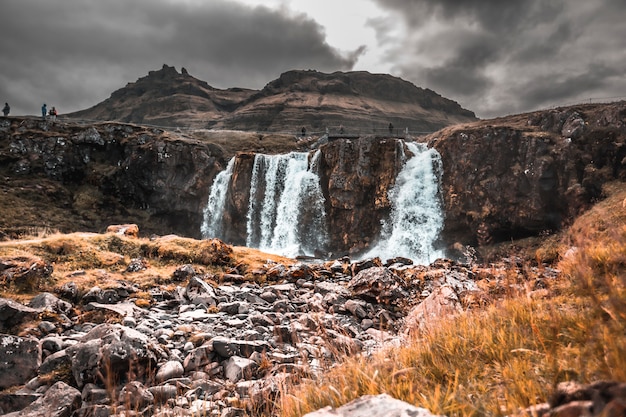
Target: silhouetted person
<point>341,129</point>
<point>390,129</point>
<point>6,109</point>
<point>303,131</point>
<point>44,111</point>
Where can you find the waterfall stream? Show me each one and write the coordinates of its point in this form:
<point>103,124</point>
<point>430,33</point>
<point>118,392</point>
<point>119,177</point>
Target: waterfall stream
<point>214,210</point>
<point>290,219</point>
<point>417,211</point>
<point>286,212</point>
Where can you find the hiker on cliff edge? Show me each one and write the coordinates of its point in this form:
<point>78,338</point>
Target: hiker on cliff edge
<point>6,109</point>
<point>44,111</point>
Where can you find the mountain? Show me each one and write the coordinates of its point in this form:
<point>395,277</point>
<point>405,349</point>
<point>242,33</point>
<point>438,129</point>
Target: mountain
<point>359,101</point>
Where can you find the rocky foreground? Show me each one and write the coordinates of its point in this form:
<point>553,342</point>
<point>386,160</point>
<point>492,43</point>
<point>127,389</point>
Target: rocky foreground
<point>198,343</point>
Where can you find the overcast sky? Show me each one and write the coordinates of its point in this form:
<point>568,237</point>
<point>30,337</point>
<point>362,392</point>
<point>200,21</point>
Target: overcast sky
<point>494,57</point>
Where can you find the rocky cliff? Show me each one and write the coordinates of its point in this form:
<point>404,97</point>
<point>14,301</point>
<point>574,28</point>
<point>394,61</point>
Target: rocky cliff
<point>522,175</point>
<point>502,179</point>
<point>360,101</point>
<point>71,177</point>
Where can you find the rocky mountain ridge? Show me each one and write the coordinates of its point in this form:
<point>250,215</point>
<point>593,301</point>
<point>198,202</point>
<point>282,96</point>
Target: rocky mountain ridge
<point>311,99</point>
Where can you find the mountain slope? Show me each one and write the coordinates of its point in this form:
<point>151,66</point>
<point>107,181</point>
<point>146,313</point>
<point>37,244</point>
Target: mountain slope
<point>359,101</point>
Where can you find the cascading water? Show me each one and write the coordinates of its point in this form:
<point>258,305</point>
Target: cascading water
<point>286,211</point>
<point>214,210</point>
<point>417,211</point>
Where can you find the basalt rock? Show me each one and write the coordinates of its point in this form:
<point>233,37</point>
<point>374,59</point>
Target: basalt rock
<point>503,179</point>
<point>72,177</point>
<point>522,175</point>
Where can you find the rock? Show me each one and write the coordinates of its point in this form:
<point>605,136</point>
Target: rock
<point>183,272</point>
<point>373,406</point>
<point>169,370</point>
<point>49,302</point>
<point>237,368</point>
<point>20,359</point>
<point>441,303</point>
<point>24,273</point>
<point>131,230</point>
<point>60,400</point>
<point>135,396</point>
<point>199,292</point>
<point>12,402</point>
<point>379,284</point>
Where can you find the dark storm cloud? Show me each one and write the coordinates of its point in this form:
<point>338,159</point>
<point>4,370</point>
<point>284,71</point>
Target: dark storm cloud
<point>498,57</point>
<point>74,53</point>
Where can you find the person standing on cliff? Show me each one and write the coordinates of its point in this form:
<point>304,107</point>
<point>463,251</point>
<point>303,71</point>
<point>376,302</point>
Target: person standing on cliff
<point>44,111</point>
<point>53,113</point>
<point>6,109</point>
<point>390,128</point>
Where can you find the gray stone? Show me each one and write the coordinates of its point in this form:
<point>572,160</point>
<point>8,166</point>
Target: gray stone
<point>11,402</point>
<point>379,284</point>
<point>19,360</point>
<point>60,400</point>
<point>237,368</point>
<point>12,314</point>
<point>55,361</point>
<point>373,406</point>
<point>50,302</point>
<point>169,370</point>
<point>135,396</point>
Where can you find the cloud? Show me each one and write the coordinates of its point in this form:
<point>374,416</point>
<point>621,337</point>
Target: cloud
<point>497,57</point>
<point>74,53</point>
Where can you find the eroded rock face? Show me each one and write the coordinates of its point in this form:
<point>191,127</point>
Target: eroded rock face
<point>107,174</point>
<point>518,176</point>
<point>502,179</point>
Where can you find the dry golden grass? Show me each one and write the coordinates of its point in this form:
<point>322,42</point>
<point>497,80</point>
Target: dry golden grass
<point>509,355</point>
<point>90,259</point>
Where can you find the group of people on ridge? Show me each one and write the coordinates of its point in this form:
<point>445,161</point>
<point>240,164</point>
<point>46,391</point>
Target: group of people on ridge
<point>44,111</point>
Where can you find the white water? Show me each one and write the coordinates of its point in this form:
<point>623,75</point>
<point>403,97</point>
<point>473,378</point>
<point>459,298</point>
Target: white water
<point>214,210</point>
<point>286,209</point>
<point>417,215</point>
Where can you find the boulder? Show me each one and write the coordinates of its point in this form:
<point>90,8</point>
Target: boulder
<point>13,314</point>
<point>441,303</point>
<point>373,406</point>
<point>378,284</point>
<point>20,359</point>
<point>60,400</point>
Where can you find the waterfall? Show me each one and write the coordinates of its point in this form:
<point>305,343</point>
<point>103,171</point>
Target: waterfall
<point>286,210</point>
<point>416,210</point>
<point>214,210</point>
